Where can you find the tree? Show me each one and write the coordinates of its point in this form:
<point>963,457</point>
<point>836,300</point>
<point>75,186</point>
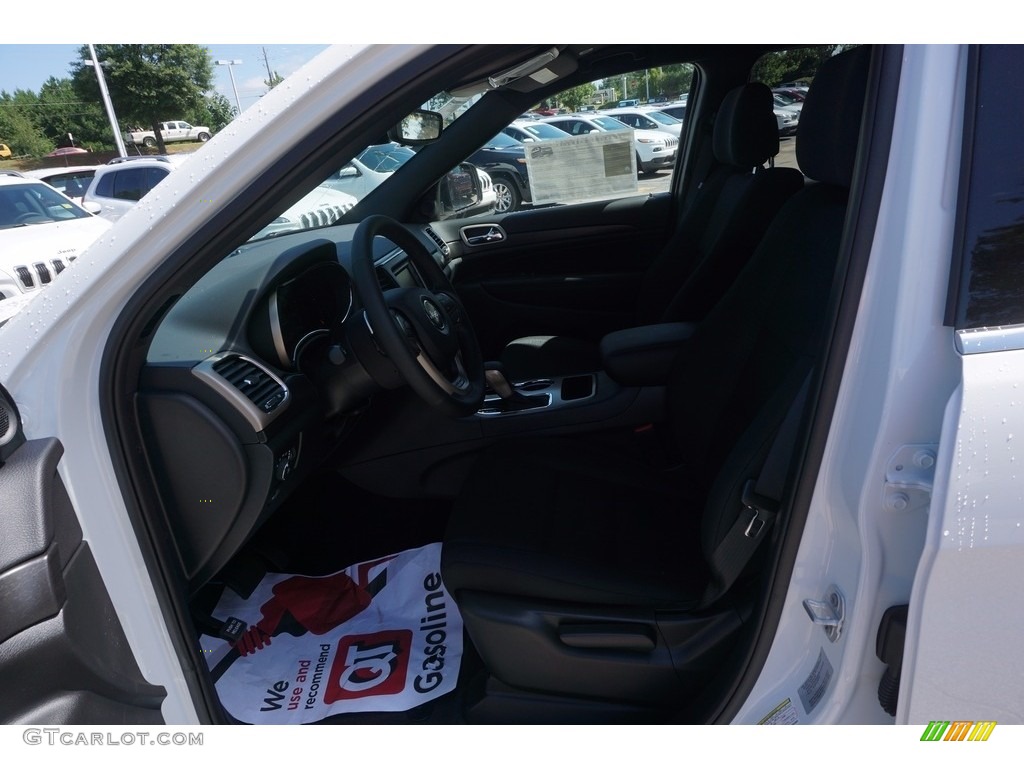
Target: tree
<point>149,84</point>
<point>215,113</point>
<point>574,98</point>
<point>19,124</point>
<point>62,111</point>
<point>274,80</point>
<point>797,64</point>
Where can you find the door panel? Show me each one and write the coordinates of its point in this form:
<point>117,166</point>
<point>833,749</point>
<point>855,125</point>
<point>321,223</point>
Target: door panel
<point>569,270</point>
<point>64,657</point>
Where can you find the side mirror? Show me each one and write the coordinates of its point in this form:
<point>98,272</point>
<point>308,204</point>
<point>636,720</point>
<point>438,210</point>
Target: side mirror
<point>348,172</point>
<point>92,207</point>
<point>419,127</point>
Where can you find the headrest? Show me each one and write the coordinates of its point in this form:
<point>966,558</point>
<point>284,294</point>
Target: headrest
<point>746,132</point>
<point>826,139</point>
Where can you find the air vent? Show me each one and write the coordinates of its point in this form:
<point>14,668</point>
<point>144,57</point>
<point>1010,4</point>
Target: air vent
<point>385,279</point>
<point>262,389</point>
<point>58,266</point>
<point>441,244</point>
<point>44,273</point>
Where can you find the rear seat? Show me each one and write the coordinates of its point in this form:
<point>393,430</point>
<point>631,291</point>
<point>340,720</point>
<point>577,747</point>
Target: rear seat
<point>714,238</point>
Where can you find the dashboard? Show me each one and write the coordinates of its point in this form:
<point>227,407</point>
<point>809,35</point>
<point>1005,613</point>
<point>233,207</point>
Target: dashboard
<point>252,377</point>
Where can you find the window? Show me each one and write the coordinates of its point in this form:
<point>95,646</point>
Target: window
<point>990,222</point>
<point>134,183</point>
<point>789,74</point>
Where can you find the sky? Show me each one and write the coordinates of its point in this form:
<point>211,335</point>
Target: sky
<point>27,67</point>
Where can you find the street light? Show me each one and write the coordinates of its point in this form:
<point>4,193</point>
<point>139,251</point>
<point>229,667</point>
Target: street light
<point>229,63</point>
<point>98,66</point>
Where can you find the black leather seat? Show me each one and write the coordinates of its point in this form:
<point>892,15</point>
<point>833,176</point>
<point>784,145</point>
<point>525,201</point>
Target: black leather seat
<point>714,238</point>
<point>580,571</point>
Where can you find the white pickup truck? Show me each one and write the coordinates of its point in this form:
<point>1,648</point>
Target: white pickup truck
<point>175,130</point>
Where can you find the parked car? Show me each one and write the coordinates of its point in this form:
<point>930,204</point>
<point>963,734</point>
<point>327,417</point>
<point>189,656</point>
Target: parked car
<point>5,152</point>
<point>647,119</point>
<point>171,131</point>
<point>72,180</point>
<point>654,149</point>
<point>533,130</point>
<point>787,102</point>
<point>117,186</point>
<point>788,121</point>
<point>504,160</point>
<point>41,233</point>
<point>267,481</point>
<point>676,109</point>
<point>365,172</point>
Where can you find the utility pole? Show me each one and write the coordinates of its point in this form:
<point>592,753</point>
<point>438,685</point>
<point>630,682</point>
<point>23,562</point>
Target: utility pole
<point>230,63</point>
<point>266,61</point>
<point>106,100</point>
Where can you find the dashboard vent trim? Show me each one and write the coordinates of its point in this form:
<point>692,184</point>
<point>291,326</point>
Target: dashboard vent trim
<point>442,246</point>
<point>257,393</point>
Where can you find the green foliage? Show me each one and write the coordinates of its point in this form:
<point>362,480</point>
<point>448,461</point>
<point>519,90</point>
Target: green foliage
<point>574,98</point>
<point>19,124</point>
<point>795,65</point>
<point>149,83</point>
<point>215,113</point>
<point>61,112</point>
<point>274,80</point>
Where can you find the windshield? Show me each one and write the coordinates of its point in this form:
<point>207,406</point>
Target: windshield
<point>23,205</point>
<point>503,141</point>
<point>543,130</point>
<point>385,158</point>
<point>610,123</point>
<point>661,117</point>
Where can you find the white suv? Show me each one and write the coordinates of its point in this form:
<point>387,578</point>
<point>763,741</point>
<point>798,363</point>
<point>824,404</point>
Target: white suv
<point>120,184</point>
<point>41,232</point>
<point>647,119</point>
<point>654,149</point>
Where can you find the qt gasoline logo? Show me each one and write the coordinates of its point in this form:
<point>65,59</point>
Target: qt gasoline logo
<point>369,665</point>
<point>958,730</point>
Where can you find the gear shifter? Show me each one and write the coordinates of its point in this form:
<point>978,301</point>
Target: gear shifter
<point>511,399</point>
<point>494,373</point>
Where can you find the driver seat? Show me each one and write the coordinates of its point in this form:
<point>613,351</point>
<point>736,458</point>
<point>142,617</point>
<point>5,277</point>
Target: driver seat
<point>584,572</point>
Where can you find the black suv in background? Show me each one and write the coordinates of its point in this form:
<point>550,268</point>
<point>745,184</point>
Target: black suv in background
<point>504,158</point>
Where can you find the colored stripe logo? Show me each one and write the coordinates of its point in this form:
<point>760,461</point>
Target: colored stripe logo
<point>958,730</point>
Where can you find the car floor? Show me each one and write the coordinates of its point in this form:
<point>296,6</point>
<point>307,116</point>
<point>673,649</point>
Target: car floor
<point>327,525</point>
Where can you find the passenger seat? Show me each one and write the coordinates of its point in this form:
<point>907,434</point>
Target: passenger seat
<point>712,242</point>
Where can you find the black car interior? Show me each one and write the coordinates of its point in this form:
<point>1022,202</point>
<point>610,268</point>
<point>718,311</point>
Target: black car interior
<point>609,492</point>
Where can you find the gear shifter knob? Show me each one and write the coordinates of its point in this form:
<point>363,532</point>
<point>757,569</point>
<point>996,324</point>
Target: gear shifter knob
<point>494,373</point>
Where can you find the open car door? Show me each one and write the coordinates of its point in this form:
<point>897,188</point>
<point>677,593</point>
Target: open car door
<point>64,657</point>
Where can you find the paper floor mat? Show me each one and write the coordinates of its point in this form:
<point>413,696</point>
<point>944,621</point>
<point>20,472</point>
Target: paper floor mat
<point>379,636</point>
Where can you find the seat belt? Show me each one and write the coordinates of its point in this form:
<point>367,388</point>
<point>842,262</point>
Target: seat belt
<point>761,499</point>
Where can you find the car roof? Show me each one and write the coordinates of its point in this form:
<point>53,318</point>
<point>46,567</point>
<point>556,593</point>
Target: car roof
<point>45,173</point>
<point>8,180</point>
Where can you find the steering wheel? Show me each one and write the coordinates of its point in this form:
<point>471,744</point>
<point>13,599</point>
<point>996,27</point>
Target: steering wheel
<point>424,331</point>
<point>27,217</point>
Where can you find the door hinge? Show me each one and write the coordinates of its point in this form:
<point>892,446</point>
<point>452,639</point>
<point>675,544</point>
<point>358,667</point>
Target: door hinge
<point>909,474</point>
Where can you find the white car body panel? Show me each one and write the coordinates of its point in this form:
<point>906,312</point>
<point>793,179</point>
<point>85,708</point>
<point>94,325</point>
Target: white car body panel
<point>76,323</point>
